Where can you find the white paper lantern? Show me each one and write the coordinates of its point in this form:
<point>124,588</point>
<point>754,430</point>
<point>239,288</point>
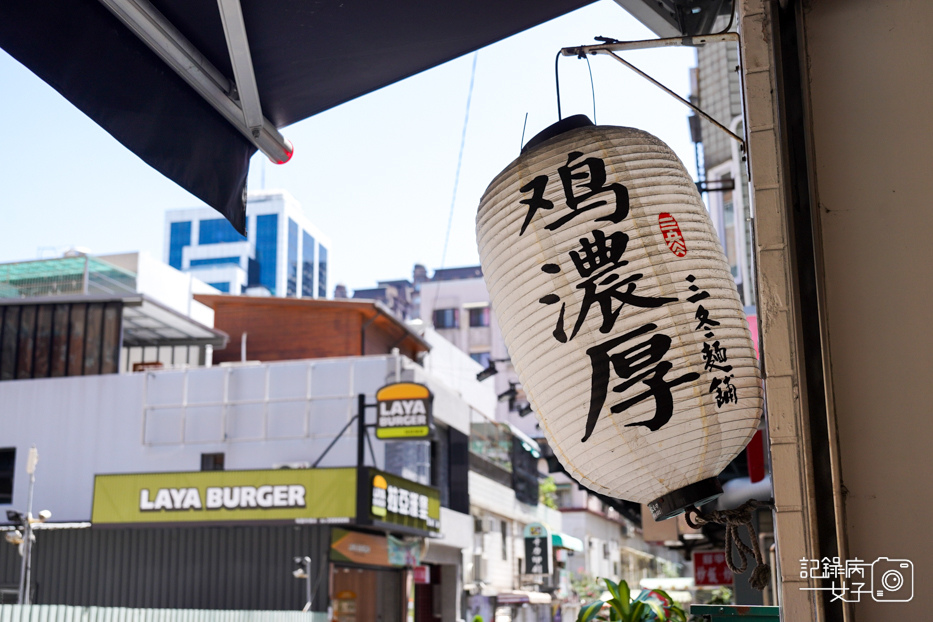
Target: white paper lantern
<point>620,313</point>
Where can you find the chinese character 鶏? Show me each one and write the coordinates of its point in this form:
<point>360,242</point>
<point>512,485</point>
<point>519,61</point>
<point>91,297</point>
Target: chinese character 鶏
<point>581,182</point>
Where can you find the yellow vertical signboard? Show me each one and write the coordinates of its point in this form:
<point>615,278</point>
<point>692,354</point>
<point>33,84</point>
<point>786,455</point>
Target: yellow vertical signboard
<point>404,412</point>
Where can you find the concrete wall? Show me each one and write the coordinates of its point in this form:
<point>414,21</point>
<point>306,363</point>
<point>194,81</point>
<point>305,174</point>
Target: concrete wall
<point>258,416</point>
<point>866,80</point>
<point>870,85</point>
<point>455,294</point>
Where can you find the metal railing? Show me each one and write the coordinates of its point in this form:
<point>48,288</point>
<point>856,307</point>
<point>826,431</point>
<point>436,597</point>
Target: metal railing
<point>66,613</point>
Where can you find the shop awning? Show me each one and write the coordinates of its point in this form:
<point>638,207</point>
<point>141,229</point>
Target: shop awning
<point>563,541</point>
<point>529,444</point>
<point>194,88</point>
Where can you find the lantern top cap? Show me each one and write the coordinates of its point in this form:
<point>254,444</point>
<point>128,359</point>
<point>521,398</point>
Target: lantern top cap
<point>564,125</point>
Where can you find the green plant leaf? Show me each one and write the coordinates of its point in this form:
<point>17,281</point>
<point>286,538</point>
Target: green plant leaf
<point>639,612</point>
<point>613,587</point>
<point>655,608</point>
<point>617,612</point>
<point>588,612</point>
<point>625,594</point>
<point>620,597</point>
<point>678,614</point>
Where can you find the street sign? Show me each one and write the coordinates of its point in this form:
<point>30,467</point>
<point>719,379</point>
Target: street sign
<point>538,550</point>
<point>422,574</point>
<point>710,568</point>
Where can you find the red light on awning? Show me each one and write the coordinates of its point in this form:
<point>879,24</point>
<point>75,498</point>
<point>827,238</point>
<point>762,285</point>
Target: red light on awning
<point>289,153</point>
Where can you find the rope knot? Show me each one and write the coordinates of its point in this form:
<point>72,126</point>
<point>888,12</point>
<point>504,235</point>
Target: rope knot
<point>732,520</point>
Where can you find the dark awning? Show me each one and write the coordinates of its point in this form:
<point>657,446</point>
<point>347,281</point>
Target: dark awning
<point>307,56</point>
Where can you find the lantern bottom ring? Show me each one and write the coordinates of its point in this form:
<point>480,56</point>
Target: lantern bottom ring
<point>678,501</point>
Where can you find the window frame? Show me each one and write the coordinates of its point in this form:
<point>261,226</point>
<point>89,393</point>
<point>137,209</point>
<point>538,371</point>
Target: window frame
<point>454,313</point>
<point>8,474</point>
<point>481,315</point>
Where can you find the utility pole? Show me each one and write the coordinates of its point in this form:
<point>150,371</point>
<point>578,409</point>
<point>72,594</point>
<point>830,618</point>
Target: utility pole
<point>303,571</point>
<point>24,596</point>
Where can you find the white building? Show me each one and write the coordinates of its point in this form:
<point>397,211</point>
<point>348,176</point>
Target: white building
<point>456,302</point>
<point>242,419</point>
<point>283,253</point>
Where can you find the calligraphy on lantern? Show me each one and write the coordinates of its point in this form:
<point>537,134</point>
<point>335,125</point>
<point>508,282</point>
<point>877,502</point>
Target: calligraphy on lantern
<point>634,355</point>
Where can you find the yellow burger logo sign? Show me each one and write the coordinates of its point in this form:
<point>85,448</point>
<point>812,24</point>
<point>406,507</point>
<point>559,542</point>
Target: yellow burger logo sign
<point>404,411</point>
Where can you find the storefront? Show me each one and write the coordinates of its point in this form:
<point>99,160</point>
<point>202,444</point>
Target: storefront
<point>363,529</point>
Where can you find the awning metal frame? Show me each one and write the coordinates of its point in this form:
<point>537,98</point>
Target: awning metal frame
<point>238,102</point>
<point>611,46</point>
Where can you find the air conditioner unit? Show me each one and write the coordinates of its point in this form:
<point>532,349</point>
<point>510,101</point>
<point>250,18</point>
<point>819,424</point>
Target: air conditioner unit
<point>292,465</point>
<point>480,568</point>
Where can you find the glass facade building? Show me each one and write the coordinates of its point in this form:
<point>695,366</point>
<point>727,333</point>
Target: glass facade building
<point>267,243</point>
<point>282,252</point>
<point>292,259</point>
<point>322,272</point>
<point>307,265</point>
<point>218,230</point>
<point>179,238</point>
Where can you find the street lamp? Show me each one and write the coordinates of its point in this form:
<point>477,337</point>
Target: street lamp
<point>303,571</point>
<point>510,394</point>
<point>23,537</point>
<point>491,370</point>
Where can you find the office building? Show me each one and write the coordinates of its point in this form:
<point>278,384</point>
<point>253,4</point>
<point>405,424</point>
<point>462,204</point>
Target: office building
<point>283,253</point>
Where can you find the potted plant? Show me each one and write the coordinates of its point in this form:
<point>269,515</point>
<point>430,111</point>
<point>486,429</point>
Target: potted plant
<point>648,606</point>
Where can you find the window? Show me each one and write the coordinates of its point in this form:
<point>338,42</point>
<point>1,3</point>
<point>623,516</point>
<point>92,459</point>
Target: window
<point>479,317</point>
<point>481,357</point>
<point>214,261</point>
<point>564,495</point>
<point>212,462</point>
<point>504,530</point>
<point>322,272</point>
<point>477,524</point>
<point>292,281</point>
<point>7,470</point>
<point>267,227</point>
<point>307,265</point>
<point>605,550</point>
<point>440,465</point>
<point>179,238</point>
<point>446,318</point>
<point>217,230</point>
<point>224,287</point>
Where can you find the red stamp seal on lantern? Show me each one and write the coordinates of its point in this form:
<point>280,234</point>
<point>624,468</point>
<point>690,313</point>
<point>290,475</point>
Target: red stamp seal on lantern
<point>670,230</point>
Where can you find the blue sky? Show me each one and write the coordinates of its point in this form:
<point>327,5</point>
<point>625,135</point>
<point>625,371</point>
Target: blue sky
<point>376,174</point>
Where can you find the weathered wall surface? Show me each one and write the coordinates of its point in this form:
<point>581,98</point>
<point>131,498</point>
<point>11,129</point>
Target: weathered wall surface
<point>871,81</point>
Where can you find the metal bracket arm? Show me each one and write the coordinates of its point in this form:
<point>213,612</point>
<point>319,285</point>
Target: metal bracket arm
<point>611,46</point>
<point>231,14</point>
<point>171,46</point>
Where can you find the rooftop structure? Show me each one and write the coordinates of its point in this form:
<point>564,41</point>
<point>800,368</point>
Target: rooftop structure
<point>85,315</point>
